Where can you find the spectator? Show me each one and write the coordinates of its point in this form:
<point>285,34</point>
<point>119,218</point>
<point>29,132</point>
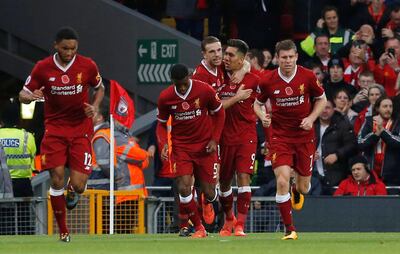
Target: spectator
<point>360,100</point>
<point>388,68</point>
<point>328,24</point>
<point>342,101</point>
<point>322,48</point>
<point>335,80</point>
<point>267,59</point>
<point>357,62</point>
<point>335,142</point>
<point>379,139</point>
<point>362,181</point>
<point>365,12</point>
<point>374,92</point>
<point>317,70</point>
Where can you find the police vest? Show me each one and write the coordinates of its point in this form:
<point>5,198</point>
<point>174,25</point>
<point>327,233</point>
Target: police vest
<point>19,146</point>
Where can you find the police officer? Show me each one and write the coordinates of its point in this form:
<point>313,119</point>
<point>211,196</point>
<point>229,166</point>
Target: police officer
<point>20,149</point>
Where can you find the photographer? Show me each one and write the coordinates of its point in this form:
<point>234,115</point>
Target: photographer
<point>389,66</point>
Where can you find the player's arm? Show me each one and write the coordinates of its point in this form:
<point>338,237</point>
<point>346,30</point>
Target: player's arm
<point>319,106</point>
<point>259,109</point>
<point>238,76</point>
<point>32,90</point>
<point>162,130</point>
<point>241,94</point>
<point>26,96</point>
<point>91,109</point>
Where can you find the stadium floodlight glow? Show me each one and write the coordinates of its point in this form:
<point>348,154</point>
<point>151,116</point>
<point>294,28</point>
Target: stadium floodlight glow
<point>27,110</point>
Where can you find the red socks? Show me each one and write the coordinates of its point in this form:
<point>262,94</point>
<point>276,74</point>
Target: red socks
<point>226,200</point>
<point>285,208</point>
<point>188,208</point>
<point>57,200</point>
<point>243,204</point>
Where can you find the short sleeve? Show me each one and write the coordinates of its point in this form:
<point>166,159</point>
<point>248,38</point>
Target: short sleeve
<point>316,89</point>
<point>262,93</point>
<point>162,110</point>
<point>95,78</point>
<point>214,104</point>
<point>34,80</point>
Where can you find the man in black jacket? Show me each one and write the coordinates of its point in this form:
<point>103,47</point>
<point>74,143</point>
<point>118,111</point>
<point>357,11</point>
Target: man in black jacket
<point>336,143</point>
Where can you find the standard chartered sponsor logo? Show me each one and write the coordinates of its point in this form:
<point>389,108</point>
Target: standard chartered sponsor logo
<point>188,115</point>
<point>66,90</point>
<point>290,101</point>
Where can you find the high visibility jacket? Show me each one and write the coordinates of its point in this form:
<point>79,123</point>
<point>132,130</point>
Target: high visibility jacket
<point>129,161</point>
<point>6,188</point>
<point>337,40</point>
<point>19,146</point>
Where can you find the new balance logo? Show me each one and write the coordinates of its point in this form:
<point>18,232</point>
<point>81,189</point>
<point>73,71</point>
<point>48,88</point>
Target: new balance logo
<point>173,107</point>
<point>276,92</point>
<point>52,79</point>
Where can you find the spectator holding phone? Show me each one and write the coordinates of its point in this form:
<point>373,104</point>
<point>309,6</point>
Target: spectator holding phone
<point>389,66</point>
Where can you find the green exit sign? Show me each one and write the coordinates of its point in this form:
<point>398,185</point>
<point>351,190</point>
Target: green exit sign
<point>155,59</point>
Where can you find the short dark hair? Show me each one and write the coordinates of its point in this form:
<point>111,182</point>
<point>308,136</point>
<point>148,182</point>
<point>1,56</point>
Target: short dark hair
<point>255,53</point>
<point>367,73</point>
<point>66,33</point>
<point>241,46</point>
<point>285,45</point>
<point>329,8</point>
<point>321,35</point>
<point>208,40</point>
<point>179,72</point>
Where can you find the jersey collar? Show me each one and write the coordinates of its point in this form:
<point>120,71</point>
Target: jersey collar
<point>215,73</point>
<point>183,97</point>
<point>64,69</point>
<point>287,80</point>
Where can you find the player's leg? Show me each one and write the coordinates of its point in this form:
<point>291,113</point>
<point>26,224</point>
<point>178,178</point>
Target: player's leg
<point>54,157</point>
<point>245,157</point>
<point>225,189</point>
<point>80,162</point>
<point>282,174</point>
<point>187,204</point>
<point>57,200</point>
<point>303,168</point>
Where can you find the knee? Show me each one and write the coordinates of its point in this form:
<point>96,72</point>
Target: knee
<point>210,194</point>
<point>282,184</point>
<point>184,190</point>
<point>57,182</point>
<point>79,188</point>
<point>303,188</point>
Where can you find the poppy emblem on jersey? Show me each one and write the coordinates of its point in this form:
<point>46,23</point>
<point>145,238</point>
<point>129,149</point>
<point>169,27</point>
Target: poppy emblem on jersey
<point>79,78</point>
<point>233,87</point>
<point>65,79</point>
<point>185,105</point>
<point>197,103</point>
<point>301,89</point>
<point>288,90</point>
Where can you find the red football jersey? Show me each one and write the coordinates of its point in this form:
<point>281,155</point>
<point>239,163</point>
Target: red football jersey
<point>66,89</point>
<point>240,119</point>
<point>191,122</point>
<point>213,78</point>
<point>291,101</point>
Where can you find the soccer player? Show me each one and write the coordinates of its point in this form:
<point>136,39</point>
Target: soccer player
<point>197,122</point>
<point>238,140</point>
<point>297,99</point>
<point>63,81</point>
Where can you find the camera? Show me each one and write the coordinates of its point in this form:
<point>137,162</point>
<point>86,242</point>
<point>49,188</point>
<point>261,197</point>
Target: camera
<point>391,52</point>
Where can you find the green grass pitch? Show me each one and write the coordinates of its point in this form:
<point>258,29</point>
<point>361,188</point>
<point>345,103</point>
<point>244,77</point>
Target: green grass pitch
<point>319,243</point>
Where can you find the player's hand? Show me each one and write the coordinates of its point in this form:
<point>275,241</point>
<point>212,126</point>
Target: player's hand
<point>307,124</point>
<point>237,77</point>
<point>266,122</point>
<point>330,159</point>
<point>164,153</point>
<point>151,151</point>
<point>243,94</point>
<point>90,110</point>
<point>38,94</point>
<point>211,146</point>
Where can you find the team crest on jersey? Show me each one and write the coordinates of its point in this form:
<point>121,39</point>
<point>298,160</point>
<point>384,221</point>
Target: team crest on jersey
<point>301,89</point>
<point>185,105</point>
<point>288,90</point>
<point>79,78</point>
<point>65,79</point>
<point>174,168</point>
<point>320,85</point>
<point>218,83</point>
<point>197,103</point>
